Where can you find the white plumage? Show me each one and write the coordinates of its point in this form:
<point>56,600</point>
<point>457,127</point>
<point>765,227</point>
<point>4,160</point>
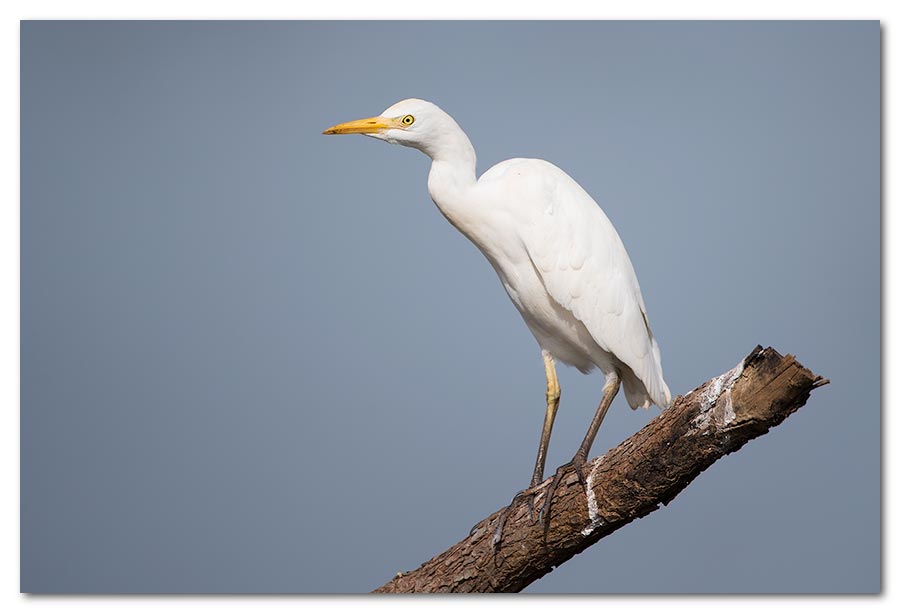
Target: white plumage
<point>569,275</point>
<point>557,255</point>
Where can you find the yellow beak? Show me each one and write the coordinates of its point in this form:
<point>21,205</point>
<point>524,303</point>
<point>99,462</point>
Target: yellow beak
<point>371,125</point>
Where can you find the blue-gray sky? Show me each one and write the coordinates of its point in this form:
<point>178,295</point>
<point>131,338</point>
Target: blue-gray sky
<point>257,359</point>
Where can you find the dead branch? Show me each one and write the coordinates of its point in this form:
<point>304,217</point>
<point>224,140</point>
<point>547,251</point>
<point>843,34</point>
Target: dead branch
<point>628,482</point>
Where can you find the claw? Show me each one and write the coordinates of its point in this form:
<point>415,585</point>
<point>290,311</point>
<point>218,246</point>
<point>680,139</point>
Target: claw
<point>529,494</point>
<point>529,501</point>
<point>577,464</point>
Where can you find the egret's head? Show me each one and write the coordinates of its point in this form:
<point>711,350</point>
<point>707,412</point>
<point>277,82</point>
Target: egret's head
<point>413,122</point>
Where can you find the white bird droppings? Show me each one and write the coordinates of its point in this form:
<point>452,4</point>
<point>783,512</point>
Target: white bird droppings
<point>593,509</point>
<point>709,409</point>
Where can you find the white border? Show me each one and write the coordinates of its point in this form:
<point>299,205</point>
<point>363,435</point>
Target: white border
<point>395,9</point>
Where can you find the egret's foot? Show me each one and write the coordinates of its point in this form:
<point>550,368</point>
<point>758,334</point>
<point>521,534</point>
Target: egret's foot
<point>528,495</point>
<point>577,464</point>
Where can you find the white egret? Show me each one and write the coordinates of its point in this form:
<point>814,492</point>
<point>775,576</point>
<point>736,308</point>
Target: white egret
<point>558,257</point>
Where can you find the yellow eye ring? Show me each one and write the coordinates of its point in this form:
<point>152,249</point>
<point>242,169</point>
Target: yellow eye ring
<point>407,120</point>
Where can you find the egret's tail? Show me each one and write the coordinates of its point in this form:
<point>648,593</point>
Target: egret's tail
<point>641,394</point>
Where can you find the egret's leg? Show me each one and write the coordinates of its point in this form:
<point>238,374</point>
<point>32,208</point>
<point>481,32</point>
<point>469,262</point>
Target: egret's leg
<point>609,392</point>
<point>553,393</point>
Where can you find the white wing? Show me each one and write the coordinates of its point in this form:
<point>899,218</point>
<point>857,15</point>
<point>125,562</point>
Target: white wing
<point>585,269</point>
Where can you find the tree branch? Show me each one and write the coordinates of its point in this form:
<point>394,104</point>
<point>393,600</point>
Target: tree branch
<point>648,469</point>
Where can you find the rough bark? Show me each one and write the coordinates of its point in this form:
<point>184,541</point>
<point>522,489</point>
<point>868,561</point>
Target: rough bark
<point>630,481</point>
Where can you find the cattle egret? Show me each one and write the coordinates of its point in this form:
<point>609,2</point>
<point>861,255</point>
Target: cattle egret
<point>559,259</point>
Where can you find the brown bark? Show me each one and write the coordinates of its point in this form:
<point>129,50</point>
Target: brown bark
<point>648,469</point>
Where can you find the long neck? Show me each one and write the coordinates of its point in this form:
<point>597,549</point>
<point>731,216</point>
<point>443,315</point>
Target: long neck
<point>452,176</point>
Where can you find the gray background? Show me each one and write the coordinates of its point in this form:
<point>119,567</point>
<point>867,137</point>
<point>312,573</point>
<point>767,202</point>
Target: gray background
<point>257,359</point>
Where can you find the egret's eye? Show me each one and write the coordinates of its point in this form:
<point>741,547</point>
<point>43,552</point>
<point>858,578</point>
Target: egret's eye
<point>407,120</point>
